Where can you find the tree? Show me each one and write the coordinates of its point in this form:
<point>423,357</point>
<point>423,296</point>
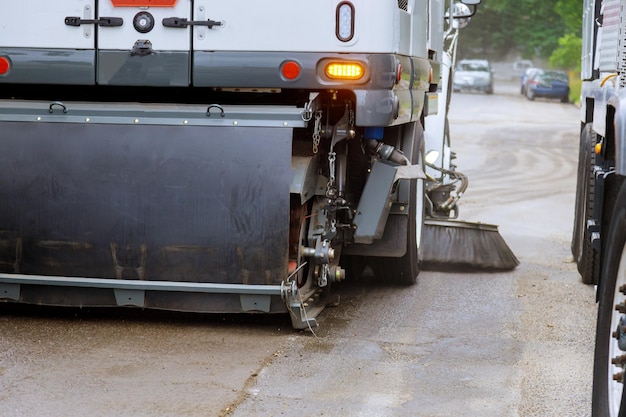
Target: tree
<point>567,54</point>
<point>532,28</point>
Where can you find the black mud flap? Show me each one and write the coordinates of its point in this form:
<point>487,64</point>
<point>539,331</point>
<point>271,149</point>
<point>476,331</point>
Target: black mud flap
<point>205,205</point>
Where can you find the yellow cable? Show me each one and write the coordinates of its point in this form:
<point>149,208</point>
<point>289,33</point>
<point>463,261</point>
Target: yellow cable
<point>608,77</point>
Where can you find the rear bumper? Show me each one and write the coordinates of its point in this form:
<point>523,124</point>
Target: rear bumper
<point>381,99</point>
<point>164,207</point>
<point>169,295</point>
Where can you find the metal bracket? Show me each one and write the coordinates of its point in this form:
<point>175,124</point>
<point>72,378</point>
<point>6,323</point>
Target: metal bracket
<point>254,302</point>
<point>125,297</point>
<point>10,291</point>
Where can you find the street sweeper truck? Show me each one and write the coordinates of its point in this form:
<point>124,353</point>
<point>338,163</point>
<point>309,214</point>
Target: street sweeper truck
<point>205,156</point>
<point>599,232</point>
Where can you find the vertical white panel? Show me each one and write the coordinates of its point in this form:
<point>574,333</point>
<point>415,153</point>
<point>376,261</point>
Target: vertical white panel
<point>426,27</point>
<point>588,34</point>
<point>41,24</point>
<point>609,36</point>
<point>296,25</point>
<point>162,38</point>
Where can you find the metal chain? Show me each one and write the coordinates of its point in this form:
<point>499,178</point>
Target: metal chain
<point>317,129</point>
<point>331,168</point>
<point>324,272</point>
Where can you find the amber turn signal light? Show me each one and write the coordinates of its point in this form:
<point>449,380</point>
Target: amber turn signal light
<point>349,71</point>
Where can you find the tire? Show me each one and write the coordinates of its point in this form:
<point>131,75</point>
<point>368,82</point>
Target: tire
<point>608,395</point>
<point>582,250</point>
<point>565,99</point>
<point>529,95</point>
<point>404,270</point>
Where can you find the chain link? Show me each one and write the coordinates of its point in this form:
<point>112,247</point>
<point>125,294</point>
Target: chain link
<point>317,129</point>
<point>331,168</point>
<point>324,272</point>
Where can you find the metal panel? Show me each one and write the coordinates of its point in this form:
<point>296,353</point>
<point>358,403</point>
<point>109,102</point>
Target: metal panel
<point>375,203</point>
<point>609,35</point>
<point>41,24</point>
<point>162,38</point>
<point>161,69</point>
<point>50,66</point>
<point>142,51</point>
<point>273,25</point>
<point>589,30</point>
<point>178,203</point>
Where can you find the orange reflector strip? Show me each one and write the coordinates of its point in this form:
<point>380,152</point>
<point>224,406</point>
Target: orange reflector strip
<point>290,70</point>
<point>5,65</point>
<point>344,70</point>
<point>598,147</point>
<point>143,3</point>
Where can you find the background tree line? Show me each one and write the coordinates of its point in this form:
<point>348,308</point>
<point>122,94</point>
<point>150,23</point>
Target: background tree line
<point>542,30</point>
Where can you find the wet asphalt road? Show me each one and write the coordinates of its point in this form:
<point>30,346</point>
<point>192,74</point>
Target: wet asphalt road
<point>501,344</point>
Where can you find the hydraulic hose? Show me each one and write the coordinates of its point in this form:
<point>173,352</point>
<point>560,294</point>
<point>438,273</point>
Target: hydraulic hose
<point>387,152</point>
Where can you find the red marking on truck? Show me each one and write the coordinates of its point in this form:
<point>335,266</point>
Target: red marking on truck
<point>143,3</point>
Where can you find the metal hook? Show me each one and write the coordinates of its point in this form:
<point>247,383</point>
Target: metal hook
<point>208,110</point>
<point>57,103</point>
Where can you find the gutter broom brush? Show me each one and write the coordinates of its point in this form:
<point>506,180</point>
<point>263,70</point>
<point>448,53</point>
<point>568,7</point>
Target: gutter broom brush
<point>453,245</point>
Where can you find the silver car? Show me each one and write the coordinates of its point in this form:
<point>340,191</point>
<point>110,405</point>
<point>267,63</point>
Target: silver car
<point>473,75</point>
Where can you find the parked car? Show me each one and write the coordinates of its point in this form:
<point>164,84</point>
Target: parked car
<point>527,74</point>
<point>519,68</point>
<point>549,84</point>
<point>473,75</point>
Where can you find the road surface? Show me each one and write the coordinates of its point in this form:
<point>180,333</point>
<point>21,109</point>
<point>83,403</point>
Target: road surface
<point>474,345</point>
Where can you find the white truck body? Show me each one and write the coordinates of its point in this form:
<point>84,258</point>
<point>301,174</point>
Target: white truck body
<point>199,155</point>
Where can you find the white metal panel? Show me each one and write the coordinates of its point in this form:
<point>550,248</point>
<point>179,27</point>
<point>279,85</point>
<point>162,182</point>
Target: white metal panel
<point>41,24</point>
<point>428,27</point>
<point>609,36</point>
<point>588,35</point>
<point>297,25</point>
<point>162,38</point>
<point>621,49</point>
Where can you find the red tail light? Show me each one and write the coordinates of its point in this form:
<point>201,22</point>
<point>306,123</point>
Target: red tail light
<point>5,65</point>
<point>290,70</point>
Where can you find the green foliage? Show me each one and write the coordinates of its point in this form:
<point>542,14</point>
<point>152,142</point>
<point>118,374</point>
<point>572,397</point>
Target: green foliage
<point>567,55</point>
<point>575,86</point>
<point>572,13</point>
<point>529,28</point>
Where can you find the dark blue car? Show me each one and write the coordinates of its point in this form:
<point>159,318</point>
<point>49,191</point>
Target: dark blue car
<point>548,84</point>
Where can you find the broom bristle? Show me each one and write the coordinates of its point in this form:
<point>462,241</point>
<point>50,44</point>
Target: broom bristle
<point>462,246</point>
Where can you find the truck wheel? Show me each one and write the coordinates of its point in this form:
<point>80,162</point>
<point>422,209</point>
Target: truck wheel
<point>404,270</point>
<point>608,393</point>
<point>582,250</point>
